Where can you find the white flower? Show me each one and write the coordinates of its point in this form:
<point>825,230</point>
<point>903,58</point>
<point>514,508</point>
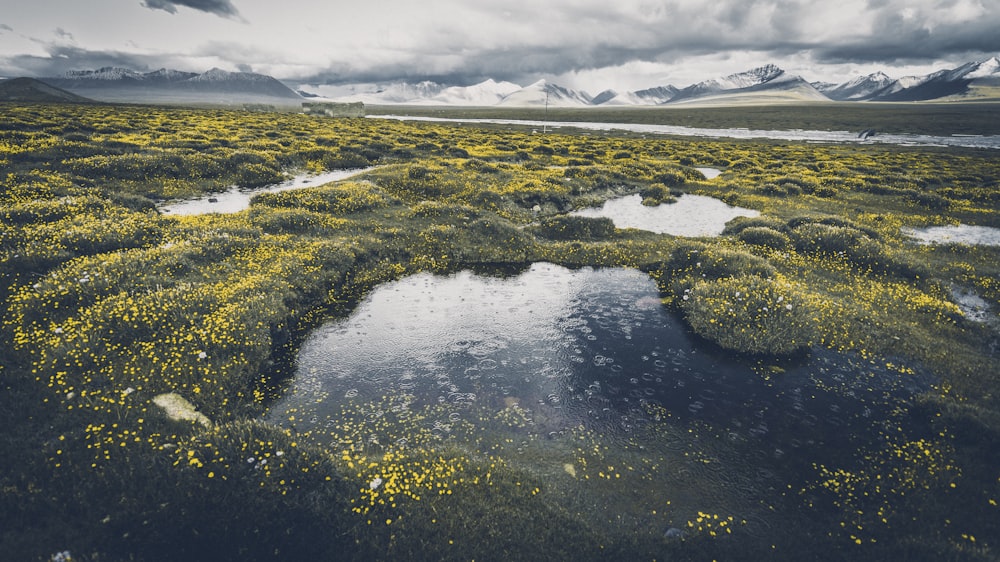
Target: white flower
<point>279,453</point>
<point>788,307</point>
<point>375,483</point>
<point>202,355</point>
<point>58,330</point>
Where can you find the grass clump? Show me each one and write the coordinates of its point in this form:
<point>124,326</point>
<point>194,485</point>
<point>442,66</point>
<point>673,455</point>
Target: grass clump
<point>749,314</point>
<point>764,236</point>
<point>566,227</point>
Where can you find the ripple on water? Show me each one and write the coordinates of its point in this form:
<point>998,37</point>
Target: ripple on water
<point>567,384</point>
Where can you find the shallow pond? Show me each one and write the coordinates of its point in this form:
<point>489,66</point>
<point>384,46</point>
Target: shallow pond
<point>237,198</point>
<point>690,215</point>
<point>710,173</point>
<point>566,373</point>
<point>958,234</point>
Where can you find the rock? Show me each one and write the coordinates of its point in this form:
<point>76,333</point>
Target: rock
<point>179,409</point>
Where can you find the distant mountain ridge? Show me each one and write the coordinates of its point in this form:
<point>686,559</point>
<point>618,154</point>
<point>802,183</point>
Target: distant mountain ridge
<point>115,84</point>
<point>764,84</point>
<point>30,90</point>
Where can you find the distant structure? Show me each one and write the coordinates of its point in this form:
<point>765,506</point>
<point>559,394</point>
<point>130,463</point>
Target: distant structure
<point>334,109</point>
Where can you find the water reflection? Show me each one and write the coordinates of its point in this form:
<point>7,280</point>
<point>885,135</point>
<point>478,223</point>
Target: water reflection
<point>590,348</point>
<point>958,234</point>
<point>690,215</point>
<point>238,198</point>
<point>710,173</point>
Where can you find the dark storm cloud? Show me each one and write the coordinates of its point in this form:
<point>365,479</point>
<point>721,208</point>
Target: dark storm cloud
<point>63,58</point>
<point>896,39</point>
<point>223,8</point>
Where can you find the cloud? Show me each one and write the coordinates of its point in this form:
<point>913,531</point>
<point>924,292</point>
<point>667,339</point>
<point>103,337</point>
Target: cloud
<point>5,27</point>
<point>920,34</point>
<point>63,34</point>
<point>462,42</point>
<point>224,8</point>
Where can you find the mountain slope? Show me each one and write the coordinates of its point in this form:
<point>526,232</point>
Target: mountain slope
<point>544,93</point>
<point>954,83</point>
<point>860,88</point>
<point>216,86</point>
<point>765,84</point>
<point>35,91</point>
<point>649,96</point>
<point>757,80</point>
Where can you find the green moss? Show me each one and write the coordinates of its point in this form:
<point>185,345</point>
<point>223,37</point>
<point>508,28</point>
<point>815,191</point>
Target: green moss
<point>749,314</point>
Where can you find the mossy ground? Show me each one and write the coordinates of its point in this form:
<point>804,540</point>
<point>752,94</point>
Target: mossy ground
<point>108,303</point>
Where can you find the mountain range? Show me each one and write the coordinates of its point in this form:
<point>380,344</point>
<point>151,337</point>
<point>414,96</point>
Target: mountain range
<point>763,85</point>
<point>216,86</point>
<point>767,84</point>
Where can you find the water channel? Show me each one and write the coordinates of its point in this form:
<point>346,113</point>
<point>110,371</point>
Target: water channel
<point>237,198</point>
<point>798,135</point>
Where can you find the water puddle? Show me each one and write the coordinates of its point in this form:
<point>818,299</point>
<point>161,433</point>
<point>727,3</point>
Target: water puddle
<point>960,234</point>
<point>973,306</point>
<point>566,373</point>
<point>237,199</point>
<point>690,215</point>
<point>710,173</point>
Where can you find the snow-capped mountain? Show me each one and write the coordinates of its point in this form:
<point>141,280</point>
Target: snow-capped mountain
<point>488,92</point>
<point>168,75</point>
<point>650,96</point>
<point>959,82</point>
<point>113,84</point>
<point>860,88</point>
<point>764,84</point>
<point>739,81</point>
<point>544,93</point>
<point>989,68</point>
<point>107,73</point>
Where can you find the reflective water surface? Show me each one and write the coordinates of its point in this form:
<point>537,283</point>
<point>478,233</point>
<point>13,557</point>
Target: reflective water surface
<point>690,215</point>
<point>958,234</point>
<point>584,355</point>
<point>237,198</point>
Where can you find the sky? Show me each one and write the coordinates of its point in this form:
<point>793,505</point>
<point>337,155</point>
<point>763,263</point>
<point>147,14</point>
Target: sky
<point>590,45</point>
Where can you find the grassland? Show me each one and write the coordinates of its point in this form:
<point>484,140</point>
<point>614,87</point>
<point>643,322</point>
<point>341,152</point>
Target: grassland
<point>953,118</point>
<point>108,304</point>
